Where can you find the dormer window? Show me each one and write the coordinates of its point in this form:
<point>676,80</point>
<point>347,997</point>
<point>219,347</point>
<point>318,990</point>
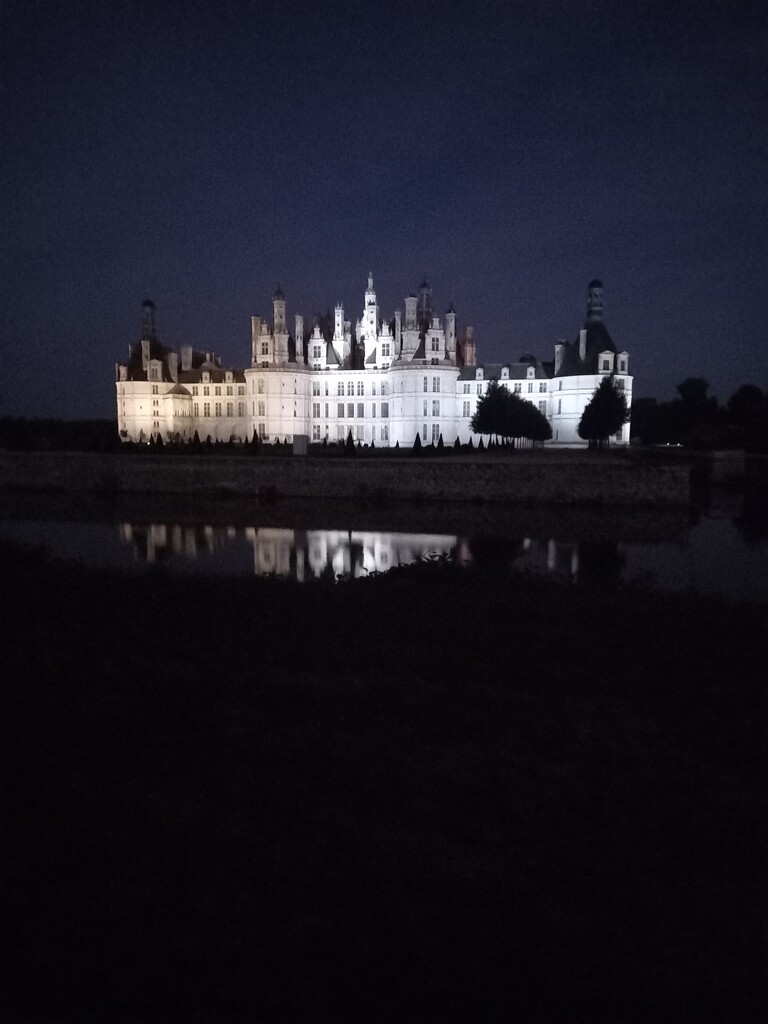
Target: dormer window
<point>479,373</point>
<point>505,373</point>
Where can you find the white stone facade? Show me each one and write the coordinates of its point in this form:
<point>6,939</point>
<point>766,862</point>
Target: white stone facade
<point>385,382</point>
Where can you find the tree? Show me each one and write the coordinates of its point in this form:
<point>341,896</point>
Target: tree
<point>748,415</point>
<point>606,413</point>
<point>349,445</point>
<point>417,444</point>
<point>491,410</point>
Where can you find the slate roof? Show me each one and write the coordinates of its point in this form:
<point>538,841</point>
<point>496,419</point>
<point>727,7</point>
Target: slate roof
<point>492,371</point>
<point>598,340</point>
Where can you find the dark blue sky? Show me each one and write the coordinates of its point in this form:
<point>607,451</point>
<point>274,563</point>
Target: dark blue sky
<point>201,153</point>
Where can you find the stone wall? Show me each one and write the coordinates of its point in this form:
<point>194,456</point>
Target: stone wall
<point>526,479</point>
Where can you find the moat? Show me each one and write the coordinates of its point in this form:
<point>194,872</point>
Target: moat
<point>721,550</point>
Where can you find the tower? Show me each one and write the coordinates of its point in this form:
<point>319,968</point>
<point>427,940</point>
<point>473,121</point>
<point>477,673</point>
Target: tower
<point>278,305</point>
<point>595,300</point>
<point>424,307</point>
<point>148,320</point>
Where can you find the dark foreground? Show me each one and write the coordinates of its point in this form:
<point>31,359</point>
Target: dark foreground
<point>431,795</point>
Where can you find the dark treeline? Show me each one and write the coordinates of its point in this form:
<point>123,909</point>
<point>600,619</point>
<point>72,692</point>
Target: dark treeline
<point>697,420</point>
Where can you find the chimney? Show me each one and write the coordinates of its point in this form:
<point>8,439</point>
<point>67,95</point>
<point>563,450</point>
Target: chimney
<point>172,361</point>
<point>398,331</point>
<point>299,335</point>
<point>186,357</point>
<point>559,352</point>
<point>582,344</point>
<point>255,336</point>
<point>410,312</point>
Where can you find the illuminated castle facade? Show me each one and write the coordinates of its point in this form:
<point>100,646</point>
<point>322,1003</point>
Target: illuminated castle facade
<point>384,381</point>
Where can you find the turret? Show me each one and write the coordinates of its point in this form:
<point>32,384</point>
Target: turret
<point>278,304</point>
<point>594,300</point>
<point>468,346</point>
<point>410,312</point>
<point>424,307</point>
<point>255,340</point>
<point>299,338</point>
<point>148,320</point>
<point>450,333</point>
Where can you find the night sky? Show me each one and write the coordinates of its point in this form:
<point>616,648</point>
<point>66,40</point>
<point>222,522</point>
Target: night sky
<point>202,153</point>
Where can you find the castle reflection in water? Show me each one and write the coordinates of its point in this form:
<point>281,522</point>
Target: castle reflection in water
<point>306,554</point>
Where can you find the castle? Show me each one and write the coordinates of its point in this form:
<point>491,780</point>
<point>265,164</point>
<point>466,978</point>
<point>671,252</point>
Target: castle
<point>384,381</point>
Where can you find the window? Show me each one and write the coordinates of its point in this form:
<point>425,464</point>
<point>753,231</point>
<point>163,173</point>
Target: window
<point>359,433</point>
<point>230,409</point>
<point>350,410</point>
<point>361,410</point>
<point>261,409</point>
<point>466,389</point>
<point>479,389</point>
<point>559,406</point>
<point>530,389</point>
<point>194,389</point>
<point>316,432</point>
<point>435,408</point>
<point>466,409</point>
<point>217,409</point>
<point>206,391</point>
<point>340,433</point>
<point>261,385</point>
<point>317,352</point>
<point>385,432</point>
<point>435,433</point>
<point>424,432</point>
<point>154,389</point>
<point>351,388</point>
<point>230,390</point>
<point>326,410</point>
<point>217,390</point>
<point>360,388</point>
<point>262,430</point>
<point>559,385</point>
<point>385,409</point>
<point>622,366</point>
<point>373,387</point>
<point>340,388</point>
<point>543,387</point>
<point>373,410</point>
<point>326,389</point>
<point>340,410</point>
<point>435,344</point>
<point>265,348</point>
<point>435,383</point>
<point>606,364</point>
<point>620,384</point>
<point>206,408</point>
<point>426,384</point>
<point>316,410</point>
<point>241,389</point>
<point>154,375</point>
<point>385,350</point>
<point>241,408</point>
<point>195,409</point>
<point>155,401</point>
<point>424,408</point>
<point>315,387</point>
<point>543,408</point>
<point>516,389</point>
<point>384,388</point>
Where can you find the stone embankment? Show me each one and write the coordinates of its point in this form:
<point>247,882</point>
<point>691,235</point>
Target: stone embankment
<point>528,478</point>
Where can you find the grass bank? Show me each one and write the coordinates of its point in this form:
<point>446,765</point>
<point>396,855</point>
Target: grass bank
<point>434,794</point>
